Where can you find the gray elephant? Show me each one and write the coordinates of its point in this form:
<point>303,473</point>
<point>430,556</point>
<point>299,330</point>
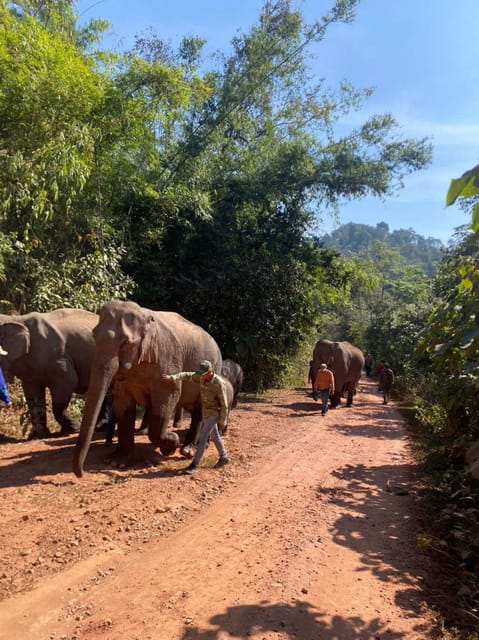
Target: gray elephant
<point>51,351</point>
<point>134,347</point>
<point>345,361</point>
<point>233,372</point>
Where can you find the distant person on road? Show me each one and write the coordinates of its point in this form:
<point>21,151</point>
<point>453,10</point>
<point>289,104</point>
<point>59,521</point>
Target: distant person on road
<point>368,364</point>
<point>386,381</point>
<point>311,378</point>
<point>379,368</point>
<point>4,395</point>
<point>324,385</point>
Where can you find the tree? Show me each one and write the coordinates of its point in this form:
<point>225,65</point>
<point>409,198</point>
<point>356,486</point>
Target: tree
<point>261,152</point>
<point>451,338</point>
<point>50,94</point>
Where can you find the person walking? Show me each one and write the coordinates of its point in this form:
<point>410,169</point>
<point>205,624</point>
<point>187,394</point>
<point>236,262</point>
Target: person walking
<point>214,406</point>
<point>324,383</point>
<point>311,378</point>
<point>368,364</point>
<point>386,381</point>
<point>109,420</point>
<point>4,395</point>
<point>379,368</point>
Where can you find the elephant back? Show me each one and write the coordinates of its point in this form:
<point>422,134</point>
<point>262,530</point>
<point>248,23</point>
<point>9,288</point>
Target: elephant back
<point>233,372</point>
<point>356,358</point>
<point>229,392</point>
<point>45,345</point>
<point>193,343</point>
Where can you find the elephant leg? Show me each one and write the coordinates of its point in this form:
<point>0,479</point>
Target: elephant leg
<point>178,417</point>
<point>36,402</point>
<point>159,436</point>
<point>352,388</point>
<point>335,399</point>
<point>196,417</point>
<point>144,427</point>
<point>67,423</point>
<point>189,446</point>
<point>123,455</point>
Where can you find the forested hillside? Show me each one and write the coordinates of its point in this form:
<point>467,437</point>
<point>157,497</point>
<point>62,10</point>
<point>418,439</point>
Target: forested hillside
<point>194,184</point>
<point>358,238</point>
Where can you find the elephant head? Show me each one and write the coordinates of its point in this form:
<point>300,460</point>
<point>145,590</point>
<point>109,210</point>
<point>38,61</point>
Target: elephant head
<point>324,351</point>
<point>15,339</point>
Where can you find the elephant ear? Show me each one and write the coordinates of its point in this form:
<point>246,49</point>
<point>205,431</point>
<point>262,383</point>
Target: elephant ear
<point>15,339</point>
<point>150,344</point>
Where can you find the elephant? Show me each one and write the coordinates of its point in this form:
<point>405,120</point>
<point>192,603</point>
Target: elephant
<point>233,372</point>
<point>134,348</point>
<point>50,350</point>
<point>345,361</point>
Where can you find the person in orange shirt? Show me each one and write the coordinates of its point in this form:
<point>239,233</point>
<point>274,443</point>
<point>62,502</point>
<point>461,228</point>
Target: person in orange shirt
<point>324,383</point>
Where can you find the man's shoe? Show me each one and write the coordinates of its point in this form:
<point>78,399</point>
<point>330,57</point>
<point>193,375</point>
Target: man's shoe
<point>221,463</point>
<point>189,471</point>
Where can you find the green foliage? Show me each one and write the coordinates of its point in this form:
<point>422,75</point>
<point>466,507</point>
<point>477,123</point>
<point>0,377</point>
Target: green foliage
<point>47,95</point>
<point>450,339</point>
<point>72,135</point>
<point>466,186</point>
<point>449,348</point>
<point>359,238</point>
<point>450,528</point>
<point>250,286</point>
<point>85,284</point>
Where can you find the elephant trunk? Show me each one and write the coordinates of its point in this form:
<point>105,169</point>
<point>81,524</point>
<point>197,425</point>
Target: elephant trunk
<point>100,379</point>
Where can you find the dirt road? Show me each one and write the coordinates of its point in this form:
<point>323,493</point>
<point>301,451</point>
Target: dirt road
<point>308,534</point>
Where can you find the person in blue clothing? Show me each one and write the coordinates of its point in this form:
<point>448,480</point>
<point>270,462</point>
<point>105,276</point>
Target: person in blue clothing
<point>4,395</point>
<point>107,418</point>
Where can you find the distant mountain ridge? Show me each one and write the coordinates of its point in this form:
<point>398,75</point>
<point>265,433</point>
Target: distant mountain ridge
<point>356,238</point>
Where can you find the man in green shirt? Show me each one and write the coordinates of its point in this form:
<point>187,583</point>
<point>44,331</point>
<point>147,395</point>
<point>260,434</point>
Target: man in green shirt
<point>214,408</point>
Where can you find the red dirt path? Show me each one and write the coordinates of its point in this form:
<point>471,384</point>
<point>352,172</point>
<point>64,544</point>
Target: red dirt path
<point>308,534</point>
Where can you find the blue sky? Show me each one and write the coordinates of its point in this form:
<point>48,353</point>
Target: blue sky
<point>420,56</point>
